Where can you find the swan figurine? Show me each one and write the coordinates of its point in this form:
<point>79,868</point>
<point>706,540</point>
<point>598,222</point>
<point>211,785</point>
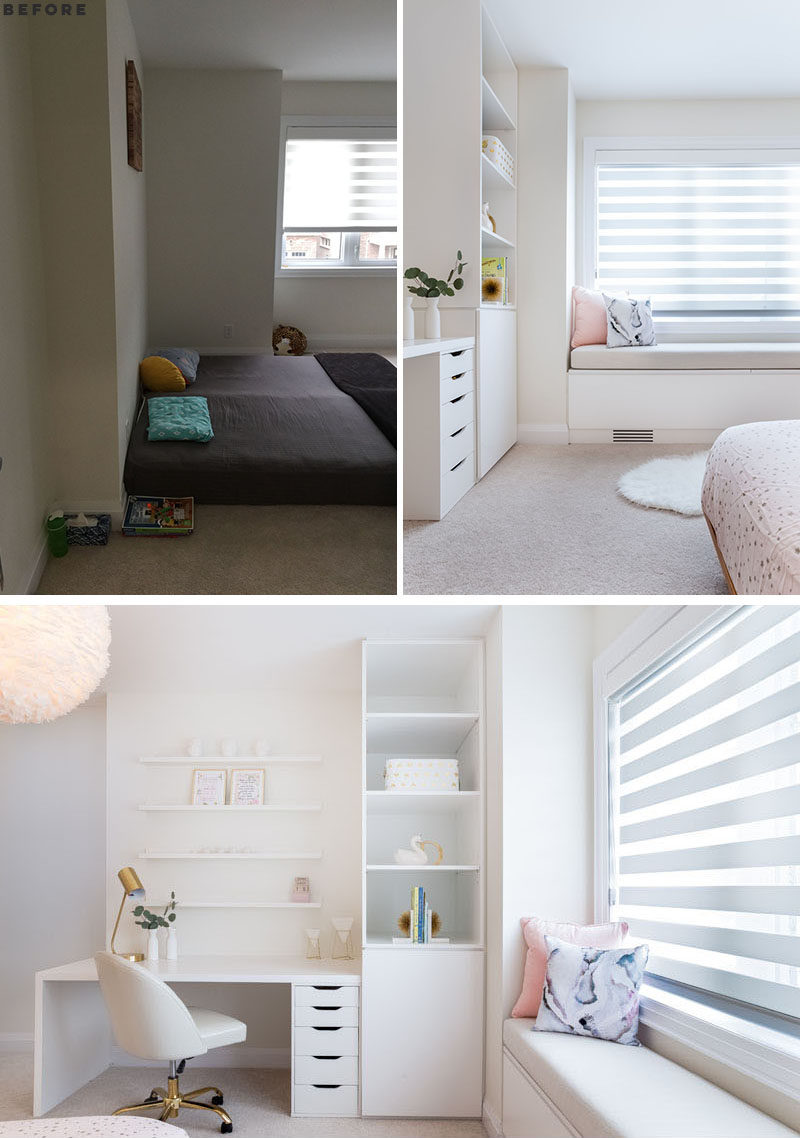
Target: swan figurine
<point>416,855</point>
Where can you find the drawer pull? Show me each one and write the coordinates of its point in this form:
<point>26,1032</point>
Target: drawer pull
<point>460,352</point>
<point>463,460</point>
<point>326,987</point>
<point>326,1056</point>
<point>455,434</point>
<point>325,1008</point>
<point>459,376</point>
<point>457,399</point>
<point>328,1028</point>
<point>326,1086</point>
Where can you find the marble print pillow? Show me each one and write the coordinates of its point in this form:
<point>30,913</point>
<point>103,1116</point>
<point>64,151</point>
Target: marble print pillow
<point>592,991</point>
<point>630,322</point>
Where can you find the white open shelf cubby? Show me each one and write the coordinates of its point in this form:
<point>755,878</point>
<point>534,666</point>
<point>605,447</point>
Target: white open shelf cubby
<point>499,117</point>
<point>423,699</point>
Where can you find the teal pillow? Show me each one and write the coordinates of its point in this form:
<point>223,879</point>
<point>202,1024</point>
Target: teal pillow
<point>185,417</point>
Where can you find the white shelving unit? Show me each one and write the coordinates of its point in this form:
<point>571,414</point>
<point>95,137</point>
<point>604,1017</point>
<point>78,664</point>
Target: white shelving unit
<point>423,699</point>
<point>499,117</point>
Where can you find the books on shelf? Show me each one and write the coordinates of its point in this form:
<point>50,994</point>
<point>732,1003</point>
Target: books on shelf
<point>162,517</point>
<point>421,913</point>
<point>494,268</point>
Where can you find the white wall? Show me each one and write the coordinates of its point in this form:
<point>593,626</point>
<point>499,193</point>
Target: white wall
<point>301,721</point>
<point>212,169</point>
<point>545,228</point>
<point>25,479</point>
<point>352,311</point>
<point>130,230</point>
<point>52,853</point>
<point>493,1081</point>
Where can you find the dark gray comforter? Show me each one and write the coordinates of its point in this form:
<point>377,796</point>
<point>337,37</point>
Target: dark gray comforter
<point>283,433</point>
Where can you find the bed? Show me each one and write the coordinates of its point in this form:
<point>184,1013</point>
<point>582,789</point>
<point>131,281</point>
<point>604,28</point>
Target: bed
<point>284,433</point>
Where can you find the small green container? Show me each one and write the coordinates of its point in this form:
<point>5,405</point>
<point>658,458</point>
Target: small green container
<point>57,535</point>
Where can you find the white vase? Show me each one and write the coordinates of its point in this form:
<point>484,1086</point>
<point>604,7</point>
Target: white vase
<point>152,944</point>
<point>433,324</point>
<point>172,944</point>
<point>408,317</point>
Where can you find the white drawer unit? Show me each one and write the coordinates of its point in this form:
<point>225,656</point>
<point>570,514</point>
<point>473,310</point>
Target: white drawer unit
<point>439,424</point>
<point>325,1042</point>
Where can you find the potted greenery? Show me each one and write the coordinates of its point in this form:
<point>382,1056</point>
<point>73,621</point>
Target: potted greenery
<point>432,288</point>
<point>152,922</point>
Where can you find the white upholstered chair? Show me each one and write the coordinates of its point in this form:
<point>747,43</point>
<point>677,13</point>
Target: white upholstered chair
<point>150,1021</point>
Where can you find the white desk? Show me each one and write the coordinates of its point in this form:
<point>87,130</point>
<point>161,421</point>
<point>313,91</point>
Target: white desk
<point>73,1042</point>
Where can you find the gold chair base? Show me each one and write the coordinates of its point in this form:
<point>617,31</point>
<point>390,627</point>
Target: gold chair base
<point>170,1101</point>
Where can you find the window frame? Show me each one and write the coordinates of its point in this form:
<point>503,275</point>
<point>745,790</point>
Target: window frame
<point>674,329</point>
<point>321,270</point>
<point>760,1045</point>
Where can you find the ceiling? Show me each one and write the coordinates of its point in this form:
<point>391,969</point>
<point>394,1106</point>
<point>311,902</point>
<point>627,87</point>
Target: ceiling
<point>224,648</point>
<point>684,49</point>
<point>306,39</point>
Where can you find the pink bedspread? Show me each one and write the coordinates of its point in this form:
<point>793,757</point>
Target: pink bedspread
<point>751,496</point>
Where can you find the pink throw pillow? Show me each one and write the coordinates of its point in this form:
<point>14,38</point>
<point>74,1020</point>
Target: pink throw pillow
<point>590,323</point>
<point>611,935</point>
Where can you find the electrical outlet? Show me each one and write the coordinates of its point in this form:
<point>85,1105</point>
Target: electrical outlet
<point>227,331</point>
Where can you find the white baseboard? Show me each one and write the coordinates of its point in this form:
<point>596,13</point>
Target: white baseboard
<point>492,1122</point>
<point>16,1041</point>
<point>322,342</point>
<point>38,562</point>
<point>673,437</point>
<point>263,350</point>
<point>275,1058</point>
<point>555,433</point>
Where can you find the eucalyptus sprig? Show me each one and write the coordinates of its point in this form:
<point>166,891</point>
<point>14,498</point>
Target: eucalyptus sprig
<point>431,286</point>
<point>151,921</point>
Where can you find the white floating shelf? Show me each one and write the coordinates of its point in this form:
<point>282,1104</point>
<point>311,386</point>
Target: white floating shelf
<point>271,808</point>
<point>418,801</point>
<point>493,176</point>
<point>421,868</point>
<point>492,241</point>
<point>189,855</point>
<point>224,760</point>
<point>240,904</point>
<point>417,733</point>
<point>495,116</point>
<point>375,941</point>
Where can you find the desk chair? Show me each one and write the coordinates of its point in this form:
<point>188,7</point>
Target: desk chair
<point>149,1020</point>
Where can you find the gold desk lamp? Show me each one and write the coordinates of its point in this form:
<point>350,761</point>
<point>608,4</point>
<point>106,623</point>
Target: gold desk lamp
<point>132,887</point>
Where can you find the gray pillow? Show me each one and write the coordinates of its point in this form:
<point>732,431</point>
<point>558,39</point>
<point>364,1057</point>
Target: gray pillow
<point>592,991</point>
<point>629,321</point>
<point>185,360</point>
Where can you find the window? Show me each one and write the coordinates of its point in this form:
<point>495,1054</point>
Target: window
<point>340,199</point>
<point>702,759</point>
<point>707,234</point>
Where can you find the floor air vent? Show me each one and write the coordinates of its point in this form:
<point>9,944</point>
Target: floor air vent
<point>623,435</point>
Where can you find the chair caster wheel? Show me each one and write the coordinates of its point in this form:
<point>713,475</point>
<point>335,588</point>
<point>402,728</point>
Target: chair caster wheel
<point>226,1128</point>
<point>217,1100</point>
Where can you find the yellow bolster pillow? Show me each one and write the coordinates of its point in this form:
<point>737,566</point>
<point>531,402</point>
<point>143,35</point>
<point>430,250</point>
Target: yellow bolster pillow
<point>160,374</point>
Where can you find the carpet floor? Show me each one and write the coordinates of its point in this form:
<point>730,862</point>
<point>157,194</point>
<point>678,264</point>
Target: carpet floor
<point>314,550</point>
<point>258,1102</point>
<point>548,519</point>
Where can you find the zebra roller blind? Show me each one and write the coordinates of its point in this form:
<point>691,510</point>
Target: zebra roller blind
<point>705,802</point>
<point>340,184</point>
<point>703,236</point>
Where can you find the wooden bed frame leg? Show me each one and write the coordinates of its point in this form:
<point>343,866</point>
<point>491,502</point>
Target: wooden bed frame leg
<point>720,558</point>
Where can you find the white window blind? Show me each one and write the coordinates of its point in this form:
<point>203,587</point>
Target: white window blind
<point>344,184</point>
<point>704,785</point>
<point>704,236</point>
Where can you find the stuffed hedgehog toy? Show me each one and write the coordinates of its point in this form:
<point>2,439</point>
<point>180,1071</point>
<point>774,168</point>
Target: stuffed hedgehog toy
<point>288,341</point>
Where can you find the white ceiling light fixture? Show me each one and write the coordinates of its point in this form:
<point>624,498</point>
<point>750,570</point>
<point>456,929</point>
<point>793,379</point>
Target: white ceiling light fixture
<point>52,657</point>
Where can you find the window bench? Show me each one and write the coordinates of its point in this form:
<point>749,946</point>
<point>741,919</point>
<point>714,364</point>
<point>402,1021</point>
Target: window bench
<point>565,1086</point>
<point>676,393</point>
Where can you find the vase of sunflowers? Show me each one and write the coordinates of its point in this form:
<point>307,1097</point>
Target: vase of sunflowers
<point>432,289</point>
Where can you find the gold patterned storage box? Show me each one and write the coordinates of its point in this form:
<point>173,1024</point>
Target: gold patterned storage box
<point>421,774</point>
<point>497,154</point>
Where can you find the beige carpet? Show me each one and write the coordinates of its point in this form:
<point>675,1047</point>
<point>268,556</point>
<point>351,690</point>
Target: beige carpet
<point>547,519</point>
<point>258,1103</point>
<point>243,549</point>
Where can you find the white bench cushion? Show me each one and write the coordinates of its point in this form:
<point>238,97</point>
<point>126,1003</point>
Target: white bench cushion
<point>95,1127</point>
<point>607,1090</point>
<point>687,357</point>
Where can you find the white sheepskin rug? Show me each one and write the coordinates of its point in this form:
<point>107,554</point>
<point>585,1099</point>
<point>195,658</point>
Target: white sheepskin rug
<point>667,483</point>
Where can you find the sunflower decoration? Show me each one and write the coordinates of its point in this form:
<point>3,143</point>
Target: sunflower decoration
<point>492,290</point>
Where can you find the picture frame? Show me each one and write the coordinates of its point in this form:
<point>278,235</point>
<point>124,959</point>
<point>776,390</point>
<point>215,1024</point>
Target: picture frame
<point>247,787</point>
<point>208,787</point>
<point>133,105</point>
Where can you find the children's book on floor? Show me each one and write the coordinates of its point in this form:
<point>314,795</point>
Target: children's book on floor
<point>162,517</point>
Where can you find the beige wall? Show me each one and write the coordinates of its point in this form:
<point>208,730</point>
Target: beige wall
<point>25,479</point>
<point>545,227</point>
<point>212,162</point>
<point>70,94</point>
<point>130,230</point>
<point>352,311</point>
<point>52,850</point>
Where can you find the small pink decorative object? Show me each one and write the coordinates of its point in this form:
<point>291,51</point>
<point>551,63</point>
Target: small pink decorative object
<point>589,322</point>
<point>611,935</point>
<point>301,893</point>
